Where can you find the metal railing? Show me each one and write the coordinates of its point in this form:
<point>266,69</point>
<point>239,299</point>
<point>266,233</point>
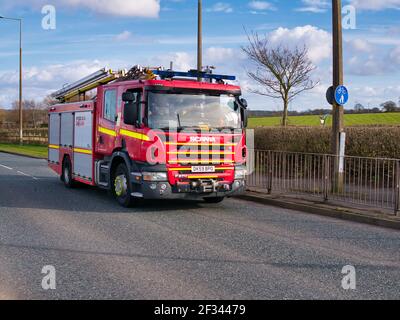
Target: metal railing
<point>373,182</point>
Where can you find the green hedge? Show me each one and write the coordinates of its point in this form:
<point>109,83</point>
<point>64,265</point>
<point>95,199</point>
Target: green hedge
<point>361,141</point>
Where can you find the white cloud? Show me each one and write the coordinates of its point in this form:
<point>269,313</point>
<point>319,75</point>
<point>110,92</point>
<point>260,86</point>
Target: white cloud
<point>125,35</point>
<point>357,46</point>
<point>395,55</point>
<point>261,5</point>
<point>365,58</point>
<point>376,4</point>
<point>128,8</point>
<point>318,41</point>
<point>215,55</point>
<point>315,6</point>
<point>39,82</point>
<point>183,61</point>
<point>221,7</point>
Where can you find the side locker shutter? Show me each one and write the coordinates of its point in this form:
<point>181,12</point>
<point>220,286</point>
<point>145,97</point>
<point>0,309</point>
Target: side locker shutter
<point>54,138</point>
<point>67,123</point>
<point>83,148</point>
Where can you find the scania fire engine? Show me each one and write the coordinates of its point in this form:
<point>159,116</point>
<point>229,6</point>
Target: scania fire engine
<point>151,134</point>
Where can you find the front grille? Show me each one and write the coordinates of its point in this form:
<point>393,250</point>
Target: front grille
<point>192,153</point>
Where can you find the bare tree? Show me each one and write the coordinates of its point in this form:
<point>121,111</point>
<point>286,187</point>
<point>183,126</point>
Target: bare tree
<point>283,72</point>
<point>48,102</point>
<point>35,113</point>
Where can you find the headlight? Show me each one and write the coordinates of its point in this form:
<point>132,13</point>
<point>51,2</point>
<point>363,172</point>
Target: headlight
<point>240,174</point>
<point>155,176</point>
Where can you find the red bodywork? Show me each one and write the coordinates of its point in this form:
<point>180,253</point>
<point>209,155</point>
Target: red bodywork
<point>109,136</point>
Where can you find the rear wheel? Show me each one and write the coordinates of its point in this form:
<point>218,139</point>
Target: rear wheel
<point>121,186</point>
<point>214,200</point>
<point>66,175</point>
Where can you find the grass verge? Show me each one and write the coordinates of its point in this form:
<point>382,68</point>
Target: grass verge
<point>388,119</point>
<point>26,150</point>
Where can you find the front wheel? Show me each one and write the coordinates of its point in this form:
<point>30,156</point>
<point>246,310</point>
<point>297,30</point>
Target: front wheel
<point>121,186</point>
<point>214,200</point>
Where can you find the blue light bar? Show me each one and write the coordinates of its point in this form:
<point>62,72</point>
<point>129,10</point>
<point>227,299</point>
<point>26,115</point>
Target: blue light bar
<point>192,74</point>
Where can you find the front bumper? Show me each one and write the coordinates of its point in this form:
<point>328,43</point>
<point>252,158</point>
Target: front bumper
<point>164,190</point>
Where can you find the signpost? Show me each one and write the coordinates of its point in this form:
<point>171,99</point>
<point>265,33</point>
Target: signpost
<point>341,95</point>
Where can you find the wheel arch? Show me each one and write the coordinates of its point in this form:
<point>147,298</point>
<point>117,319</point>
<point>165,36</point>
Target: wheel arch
<point>117,158</point>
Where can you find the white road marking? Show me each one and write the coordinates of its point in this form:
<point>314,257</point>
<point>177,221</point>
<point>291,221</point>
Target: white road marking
<point>27,175</point>
<point>20,172</point>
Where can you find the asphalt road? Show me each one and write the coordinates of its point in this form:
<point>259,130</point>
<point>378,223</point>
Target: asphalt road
<point>178,250</point>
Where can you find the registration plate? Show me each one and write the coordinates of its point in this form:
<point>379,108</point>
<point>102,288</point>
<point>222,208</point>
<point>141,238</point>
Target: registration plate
<point>203,169</point>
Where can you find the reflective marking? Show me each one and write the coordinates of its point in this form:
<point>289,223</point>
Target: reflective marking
<point>201,144</point>
<point>202,177</point>
<point>201,161</point>
<point>200,152</point>
<point>107,131</point>
<point>53,146</point>
<point>134,135</point>
<point>83,151</point>
<point>190,169</point>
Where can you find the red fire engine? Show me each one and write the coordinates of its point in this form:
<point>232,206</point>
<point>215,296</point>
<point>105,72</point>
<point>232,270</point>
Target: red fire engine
<point>151,134</point>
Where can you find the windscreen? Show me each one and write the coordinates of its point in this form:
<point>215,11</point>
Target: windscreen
<point>192,110</point>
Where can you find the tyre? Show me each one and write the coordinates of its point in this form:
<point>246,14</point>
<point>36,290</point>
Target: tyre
<point>121,186</point>
<point>214,200</point>
<point>66,175</point>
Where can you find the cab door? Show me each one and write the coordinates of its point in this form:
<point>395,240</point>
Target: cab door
<point>132,136</point>
<point>107,120</point>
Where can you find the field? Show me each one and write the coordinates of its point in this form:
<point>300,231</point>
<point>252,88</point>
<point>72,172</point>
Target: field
<point>28,150</point>
<point>349,119</point>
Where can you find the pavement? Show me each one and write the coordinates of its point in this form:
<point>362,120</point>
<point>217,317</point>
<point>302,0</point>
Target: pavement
<point>178,250</point>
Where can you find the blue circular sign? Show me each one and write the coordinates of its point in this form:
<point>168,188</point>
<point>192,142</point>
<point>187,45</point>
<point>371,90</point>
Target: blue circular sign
<point>341,95</point>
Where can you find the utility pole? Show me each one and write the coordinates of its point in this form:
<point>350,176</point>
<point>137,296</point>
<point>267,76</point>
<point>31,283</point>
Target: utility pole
<point>338,110</point>
<point>21,138</point>
<point>200,40</point>
<point>21,119</point>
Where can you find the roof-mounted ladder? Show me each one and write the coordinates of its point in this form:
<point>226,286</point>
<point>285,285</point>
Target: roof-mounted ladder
<point>77,90</point>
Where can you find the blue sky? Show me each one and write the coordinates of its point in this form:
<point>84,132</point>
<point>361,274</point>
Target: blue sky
<point>91,34</point>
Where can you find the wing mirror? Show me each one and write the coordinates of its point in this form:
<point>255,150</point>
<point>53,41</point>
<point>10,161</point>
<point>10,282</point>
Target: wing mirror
<point>243,102</point>
<point>129,97</point>
<point>131,113</point>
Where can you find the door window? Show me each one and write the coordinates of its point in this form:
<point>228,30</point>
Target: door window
<point>110,105</point>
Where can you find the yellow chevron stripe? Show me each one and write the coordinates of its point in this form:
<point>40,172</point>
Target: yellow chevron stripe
<point>201,144</point>
<point>201,161</point>
<point>53,146</point>
<point>134,135</point>
<point>200,152</point>
<point>202,177</point>
<point>84,151</point>
<point>190,169</point>
<point>107,131</point>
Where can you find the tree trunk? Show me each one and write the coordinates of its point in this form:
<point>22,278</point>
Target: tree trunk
<point>285,113</point>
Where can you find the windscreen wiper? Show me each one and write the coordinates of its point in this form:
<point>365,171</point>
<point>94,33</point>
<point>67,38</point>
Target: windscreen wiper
<point>227,128</point>
<point>179,119</point>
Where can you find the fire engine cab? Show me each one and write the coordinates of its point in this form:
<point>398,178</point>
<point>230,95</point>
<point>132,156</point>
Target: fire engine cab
<point>151,134</point>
